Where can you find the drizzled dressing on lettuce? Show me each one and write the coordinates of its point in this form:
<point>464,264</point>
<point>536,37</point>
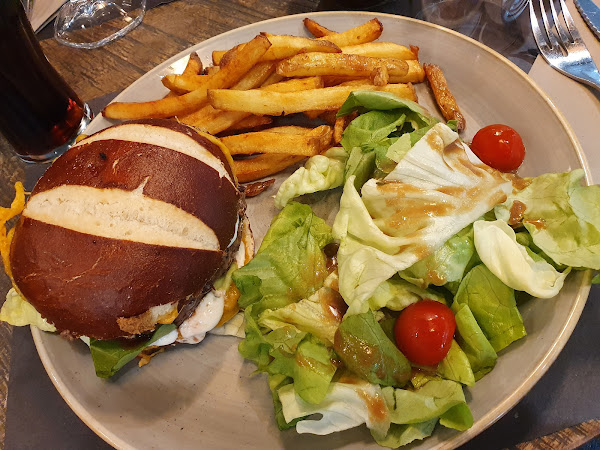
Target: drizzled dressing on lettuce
<point>420,217</point>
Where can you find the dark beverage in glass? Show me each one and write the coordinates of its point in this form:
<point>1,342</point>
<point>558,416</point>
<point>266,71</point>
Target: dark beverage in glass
<point>40,115</point>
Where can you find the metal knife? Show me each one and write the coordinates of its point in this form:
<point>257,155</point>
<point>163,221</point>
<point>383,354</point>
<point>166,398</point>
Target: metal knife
<point>590,13</point>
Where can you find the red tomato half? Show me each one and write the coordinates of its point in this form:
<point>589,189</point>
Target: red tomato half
<point>500,147</point>
<point>424,332</point>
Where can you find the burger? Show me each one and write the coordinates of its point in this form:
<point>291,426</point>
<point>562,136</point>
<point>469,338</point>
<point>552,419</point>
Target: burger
<point>129,232</point>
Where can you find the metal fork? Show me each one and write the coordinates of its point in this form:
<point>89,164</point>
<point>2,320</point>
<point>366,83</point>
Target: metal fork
<point>563,47</point>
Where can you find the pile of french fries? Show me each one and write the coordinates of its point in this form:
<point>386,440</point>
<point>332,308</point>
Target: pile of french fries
<point>270,76</point>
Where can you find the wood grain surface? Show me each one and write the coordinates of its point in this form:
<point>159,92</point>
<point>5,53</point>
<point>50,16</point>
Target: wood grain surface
<point>165,31</point>
<point>567,439</point>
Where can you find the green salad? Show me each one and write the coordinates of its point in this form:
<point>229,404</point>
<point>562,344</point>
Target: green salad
<point>421,219</point>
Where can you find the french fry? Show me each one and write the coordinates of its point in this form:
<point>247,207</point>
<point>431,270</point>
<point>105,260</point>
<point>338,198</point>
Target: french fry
<point>277,142</point>
<point>187,83</point>
<point>340,125</point>
<point>226,77</point>
<point>263,102</point>
<point>261,166</point>
<point>211,120</point>
<point>283,46</point>
<point>325,135</point>
<point>295,84</point>
<point>380,76</point>
<point>357,82</point>
<point>316,29</point>
<point>329,116</point>
<point>291,129</point>
<point>381,50</point>
<point>211,70</point>
<point>443,96</point>
<point>182,84</point>
<point>361,34</point>
<point>311,64</point>
<point>256,76</point>
<point>415,74</point>
<point>193,66</point>
<point>249,122</point>
<point>338,129</point>
<point>274,78</point>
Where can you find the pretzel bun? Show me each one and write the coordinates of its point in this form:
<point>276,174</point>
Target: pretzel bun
<point>136,216</point>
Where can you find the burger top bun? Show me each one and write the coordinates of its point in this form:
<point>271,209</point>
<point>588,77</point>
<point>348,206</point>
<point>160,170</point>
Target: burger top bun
<point>139,215</point>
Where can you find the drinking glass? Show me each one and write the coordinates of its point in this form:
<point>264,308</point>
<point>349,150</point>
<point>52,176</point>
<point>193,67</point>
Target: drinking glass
<point>94,23</point>
<point>40,115</point>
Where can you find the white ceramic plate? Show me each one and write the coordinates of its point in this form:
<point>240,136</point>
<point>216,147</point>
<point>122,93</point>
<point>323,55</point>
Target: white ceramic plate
<point>203,396</point>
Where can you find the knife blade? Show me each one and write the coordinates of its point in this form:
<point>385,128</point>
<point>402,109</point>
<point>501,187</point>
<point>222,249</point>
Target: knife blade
<point>590,13</point>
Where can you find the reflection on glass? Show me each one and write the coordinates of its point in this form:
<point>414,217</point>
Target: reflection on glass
<point>94,23</point>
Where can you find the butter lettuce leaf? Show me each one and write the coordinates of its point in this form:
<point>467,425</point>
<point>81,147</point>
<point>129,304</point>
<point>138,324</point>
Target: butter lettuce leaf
<point>346,405</point>
<point>320,314</point>
<point>310,367</point>
<point>370,128</point>
<point>364,348</point>
<point>320,173</point>
<point>562,217</point>
<point>445,265</point>
<point>396,294</point>
<point>399,435</point>
<point>473,342</point>
<point>498,249</point>
<point>289,265</point>
<point>456,366</point>
<point>363,101</point>
<point>493,305</point>
<point>19,312</point>
<point>110,356</point>
<point>443,399</point>
<point>432,194</point>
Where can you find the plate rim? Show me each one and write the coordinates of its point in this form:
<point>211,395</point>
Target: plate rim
<point>497,411</point>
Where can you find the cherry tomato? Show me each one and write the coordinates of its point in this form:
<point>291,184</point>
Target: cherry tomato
<point>424,332</point>
<point>500,147</point>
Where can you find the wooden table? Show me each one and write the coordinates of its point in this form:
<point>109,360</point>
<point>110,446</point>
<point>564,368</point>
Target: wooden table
<point>36,415</point>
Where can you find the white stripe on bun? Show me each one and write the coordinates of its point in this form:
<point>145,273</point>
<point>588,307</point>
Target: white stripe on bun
<point>138,215</point>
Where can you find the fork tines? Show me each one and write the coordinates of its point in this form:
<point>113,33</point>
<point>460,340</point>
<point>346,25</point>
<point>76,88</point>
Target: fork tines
<point>560,43</point>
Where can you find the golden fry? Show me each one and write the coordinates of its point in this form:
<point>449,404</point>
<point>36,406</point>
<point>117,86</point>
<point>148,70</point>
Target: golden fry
<point>277,103</point>
<point>261,166</point>
<point>380,76</point>
<point>415,74</point>
<point>329,116</point>
<point>311,64</point>
<point>276,142</point>
<point>340,125</point>
<point>316,29</point>
<point>193,66</point>
<point>226,77</point>
<point>296,84</point>
<point>256,76</point>
<point>381,50</point>
<point>443,96</point>
<point>312,115</point>
<point>249,122</point>
<point>211,120</point>
<point>215,121</point>
<point>361,34</point>
<point>274,78</point>
<point>182,84</point>
<point>283,46</point>
<point>338,129</point>
<point>211,70</point>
